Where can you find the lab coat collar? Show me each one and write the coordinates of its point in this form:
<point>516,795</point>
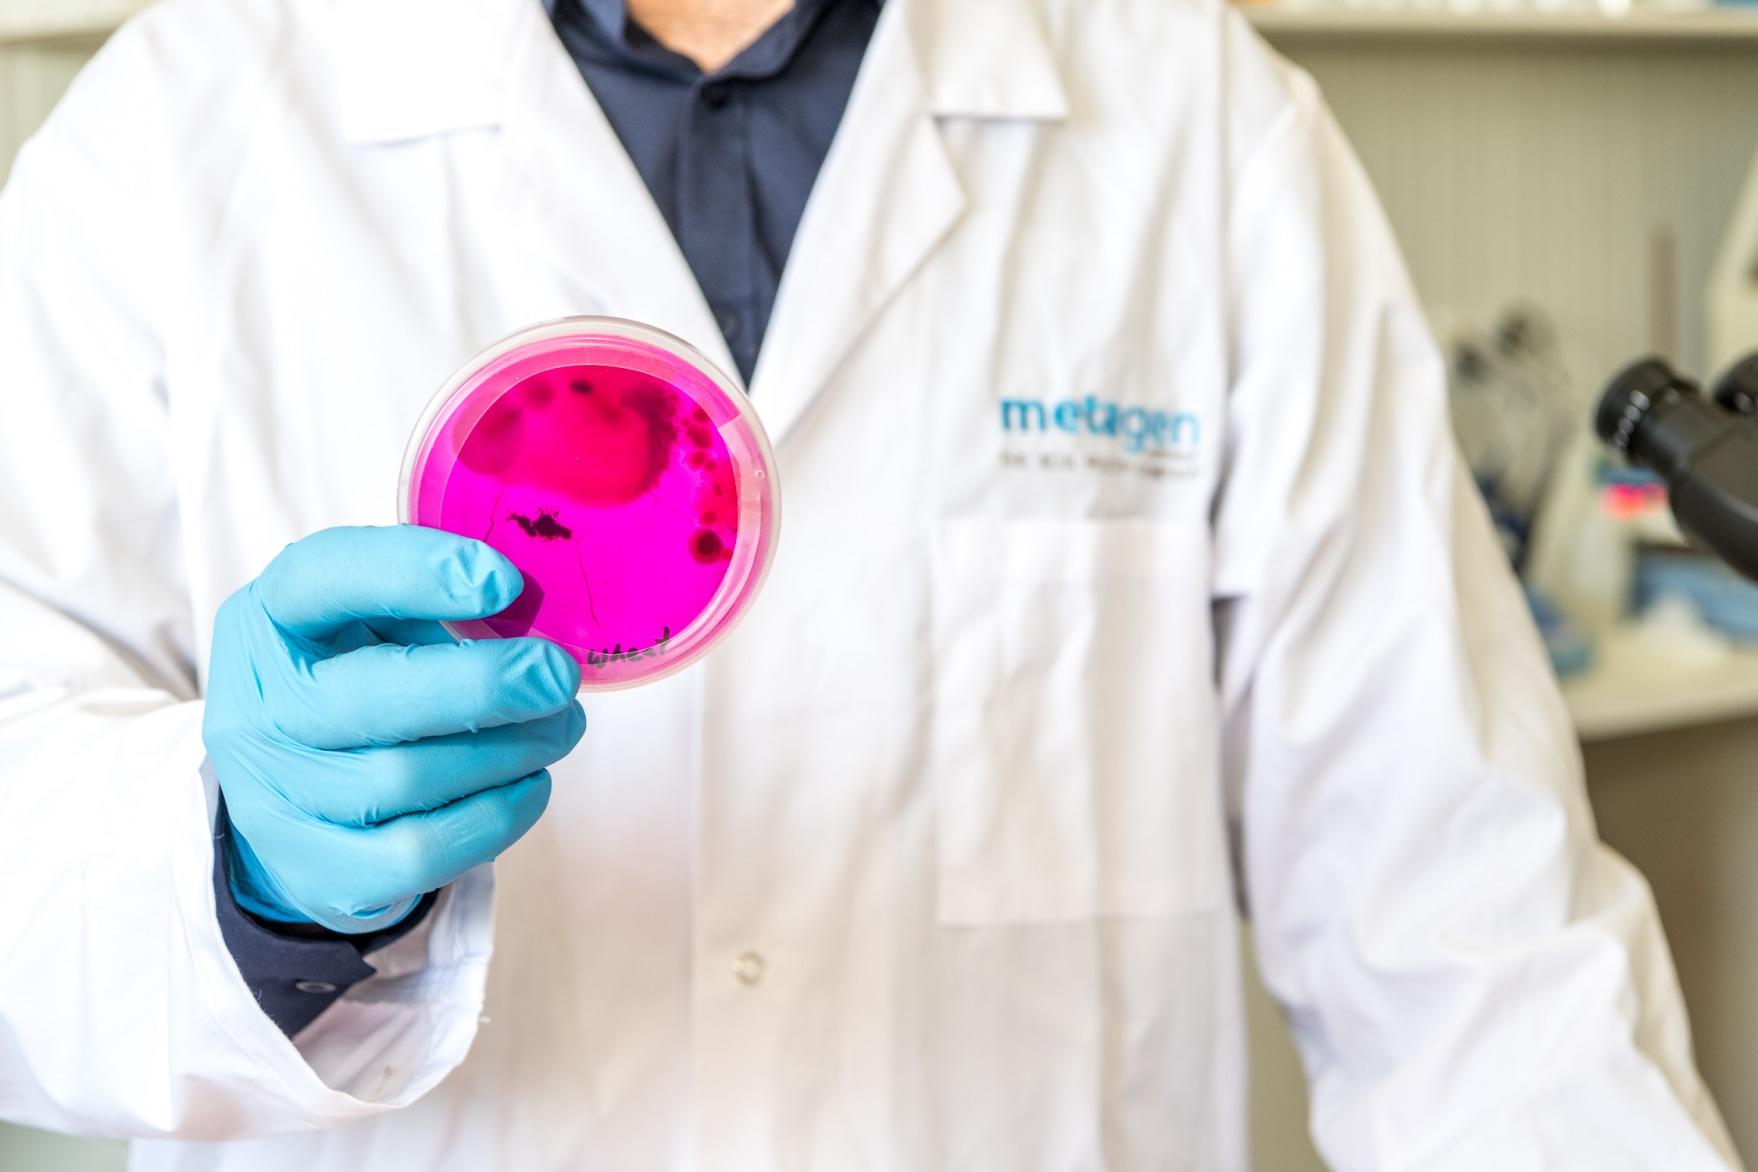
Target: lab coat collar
<point>412,69</point>
<point>986,59</point>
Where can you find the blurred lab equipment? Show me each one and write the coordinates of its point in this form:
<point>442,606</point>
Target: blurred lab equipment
<point>1513,414</point>
<point>1516,420</point>
<point>1719,598</point>
<point>1598,523</point>
<point>1593,539</point>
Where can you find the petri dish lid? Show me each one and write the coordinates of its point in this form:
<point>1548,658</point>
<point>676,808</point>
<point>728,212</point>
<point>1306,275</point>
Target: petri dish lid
<point>624,474</point>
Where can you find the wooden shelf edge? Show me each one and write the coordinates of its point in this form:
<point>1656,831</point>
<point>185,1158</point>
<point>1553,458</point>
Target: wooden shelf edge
<point>1623,700</point>
<point>1706,26</point>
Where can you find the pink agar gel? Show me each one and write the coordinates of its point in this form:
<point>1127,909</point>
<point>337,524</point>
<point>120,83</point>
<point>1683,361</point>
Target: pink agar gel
<point>625,478</point>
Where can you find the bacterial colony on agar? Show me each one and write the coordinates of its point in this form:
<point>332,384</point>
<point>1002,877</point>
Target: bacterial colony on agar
<point>626,478</point>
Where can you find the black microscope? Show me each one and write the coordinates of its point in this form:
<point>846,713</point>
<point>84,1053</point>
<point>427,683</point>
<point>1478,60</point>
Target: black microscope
<point>1706,449</point>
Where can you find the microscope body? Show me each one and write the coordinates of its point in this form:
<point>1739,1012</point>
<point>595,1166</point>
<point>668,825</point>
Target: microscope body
<point>1706,451</point>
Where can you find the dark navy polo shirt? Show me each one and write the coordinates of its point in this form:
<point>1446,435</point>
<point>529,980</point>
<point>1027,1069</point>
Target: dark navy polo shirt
<point>730,157</point>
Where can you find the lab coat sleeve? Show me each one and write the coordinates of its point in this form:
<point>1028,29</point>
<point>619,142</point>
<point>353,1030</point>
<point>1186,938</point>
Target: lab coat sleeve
<point>1473,980</point>
<point>121,1010</point>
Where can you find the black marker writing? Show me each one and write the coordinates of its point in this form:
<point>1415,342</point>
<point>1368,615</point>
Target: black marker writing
<point>618,655</point>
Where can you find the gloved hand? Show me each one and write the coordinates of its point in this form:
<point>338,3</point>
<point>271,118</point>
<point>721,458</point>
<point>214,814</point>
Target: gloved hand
<point>367,757</point>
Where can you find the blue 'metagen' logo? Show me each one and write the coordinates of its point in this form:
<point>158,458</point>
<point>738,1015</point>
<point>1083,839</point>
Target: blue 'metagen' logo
<point>1138,429</point>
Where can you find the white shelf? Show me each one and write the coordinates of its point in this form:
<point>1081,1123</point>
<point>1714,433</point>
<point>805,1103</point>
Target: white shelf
<point>1707,26</point>
<point>31,22</point>
<point>1629,695</point>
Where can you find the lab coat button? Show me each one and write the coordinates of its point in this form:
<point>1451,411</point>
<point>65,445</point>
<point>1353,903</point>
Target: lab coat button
<point>748,968</point>
<point>314,986</point>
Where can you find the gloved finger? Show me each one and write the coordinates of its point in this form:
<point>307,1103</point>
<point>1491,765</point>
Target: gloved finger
<point>389,695</point>
<point>370,633</point>
<point>339,576</point>
<point>409,632</point>
<point>369,786</point>
<point>424,852</point>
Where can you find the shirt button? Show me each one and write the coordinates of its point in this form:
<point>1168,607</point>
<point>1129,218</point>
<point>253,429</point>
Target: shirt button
<point>716,96</point>
<point>748,968</point>
<point>314,986</point>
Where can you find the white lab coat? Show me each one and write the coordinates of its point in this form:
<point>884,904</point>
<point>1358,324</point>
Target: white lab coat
<point>1019,719</point>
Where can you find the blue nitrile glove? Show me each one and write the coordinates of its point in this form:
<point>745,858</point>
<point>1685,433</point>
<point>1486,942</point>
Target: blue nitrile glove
<point>366,756</point>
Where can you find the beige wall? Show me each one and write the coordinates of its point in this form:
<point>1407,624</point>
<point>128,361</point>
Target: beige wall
<point>1684,808</point>
<point>32,79</point>
<point>1551,169</point>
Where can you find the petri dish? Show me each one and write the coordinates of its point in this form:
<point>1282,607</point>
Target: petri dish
<point>624,474</point>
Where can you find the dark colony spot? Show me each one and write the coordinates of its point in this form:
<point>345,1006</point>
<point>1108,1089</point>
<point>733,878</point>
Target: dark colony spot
<point>544,528</point>
<point>696,459</point>
<point>699,437</point>
<point>624,428</point>
<point>708,517</point>
<point>706,546</point>
<point>537,393</point>
<point>651,403</point>
<point>493,444</point>
<point>699,415</point>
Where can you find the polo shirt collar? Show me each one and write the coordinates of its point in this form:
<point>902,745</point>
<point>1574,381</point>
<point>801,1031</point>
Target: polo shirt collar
<point>765,56</point>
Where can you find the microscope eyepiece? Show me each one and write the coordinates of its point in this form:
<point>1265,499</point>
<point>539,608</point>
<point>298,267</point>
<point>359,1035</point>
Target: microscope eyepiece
<point>1657,417</point>
<point>1738,389</point>
<point>1707,455</point>
<point>1629,398</point>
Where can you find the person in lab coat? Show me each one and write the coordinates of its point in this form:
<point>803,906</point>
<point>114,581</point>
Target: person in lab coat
<point>1129,577</point>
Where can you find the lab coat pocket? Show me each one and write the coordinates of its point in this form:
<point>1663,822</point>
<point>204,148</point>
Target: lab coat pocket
<point>1074,760</point>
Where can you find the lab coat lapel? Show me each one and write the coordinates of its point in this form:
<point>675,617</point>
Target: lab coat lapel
<point>889,193</point>
<point>886,197</point>
<point>579,208</point>
<point>573,228</point>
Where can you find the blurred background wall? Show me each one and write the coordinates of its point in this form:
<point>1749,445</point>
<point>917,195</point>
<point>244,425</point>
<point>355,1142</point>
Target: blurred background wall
<point>1565,167</point>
